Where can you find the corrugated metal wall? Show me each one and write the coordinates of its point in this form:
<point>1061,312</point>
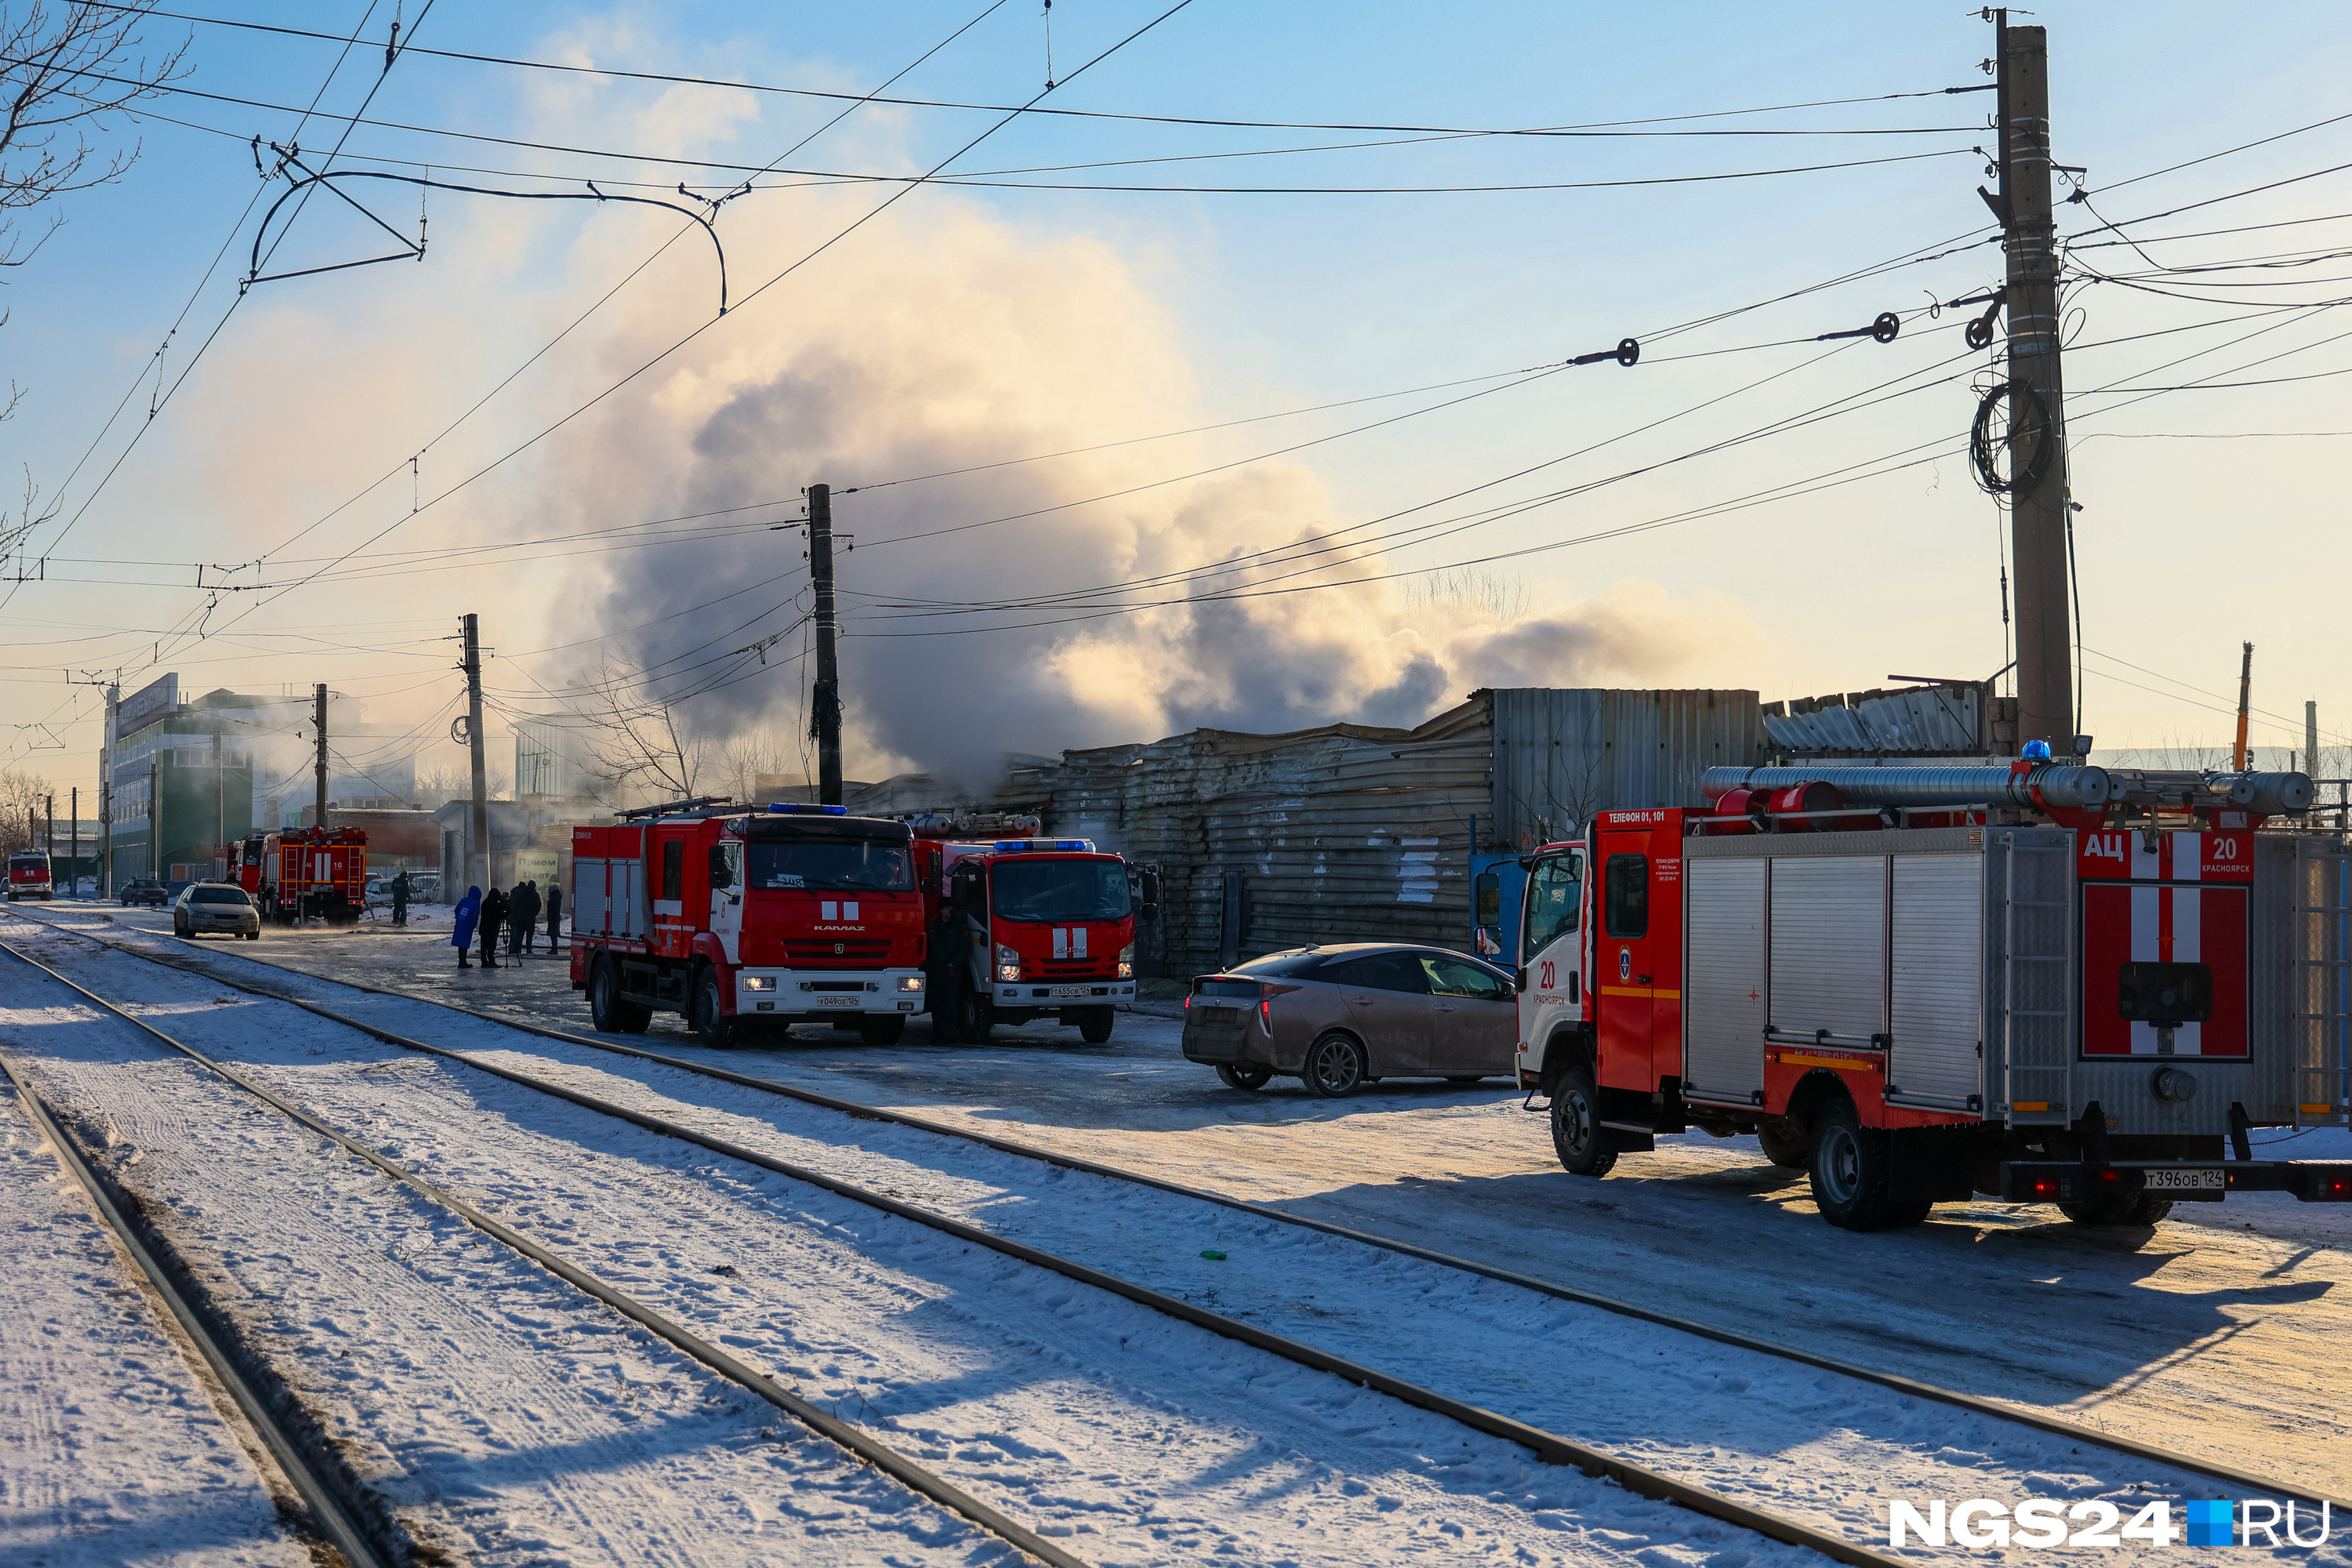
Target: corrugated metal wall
<point>1561,755</point>
<point>1342,834</point>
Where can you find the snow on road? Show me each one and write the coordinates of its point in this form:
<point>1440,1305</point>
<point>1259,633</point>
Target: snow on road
<point>2220,1333</point>
<point>1784,1438</point>
<point>112,1449</point>
<point>1142,1439</point>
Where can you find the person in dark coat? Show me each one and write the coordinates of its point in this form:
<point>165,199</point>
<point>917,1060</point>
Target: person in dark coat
<point>555,916</point>
<point>523,920</point>
<point>468,911</point>
<point>400,899</point>
<point>494,916</point>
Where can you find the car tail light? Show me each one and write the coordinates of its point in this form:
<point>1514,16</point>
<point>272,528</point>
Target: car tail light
<point>1265,1016</point>
<point>2330,1187</point>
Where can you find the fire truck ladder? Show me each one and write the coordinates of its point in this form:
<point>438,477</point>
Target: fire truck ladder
<point>2323,946</point>
<point>2036,968</point>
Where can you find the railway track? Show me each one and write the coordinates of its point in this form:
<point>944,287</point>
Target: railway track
<point>1547,1447</point>
<point>2236,1477</point>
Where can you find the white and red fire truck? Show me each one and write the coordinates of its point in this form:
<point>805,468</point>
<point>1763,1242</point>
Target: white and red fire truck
<point>795,914</point>
<point>2041,983</point>
<point>1023,928</point>
<point>28,876</point>
<point>305,873</point>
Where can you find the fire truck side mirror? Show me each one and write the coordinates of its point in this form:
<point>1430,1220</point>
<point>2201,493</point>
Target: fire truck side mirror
<point>1519,978</point>
<point>1149,901</point>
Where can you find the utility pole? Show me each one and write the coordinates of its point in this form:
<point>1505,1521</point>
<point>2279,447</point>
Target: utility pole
<point>155,867</point>
<point>2245,697</point>
<point>824,722</point>
<point>106,831</point>
<point>220,809</point>
<point>2037,422</point>
<point>2311,738</point>
<point>479,850</point>
<point>319,723</point>
<point>49,839</point>
<point>73,819</point>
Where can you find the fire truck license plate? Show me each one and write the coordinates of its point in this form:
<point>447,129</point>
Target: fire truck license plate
<point>838,1001</point>
<point>2181,1181</point>
<point>1072,991</point>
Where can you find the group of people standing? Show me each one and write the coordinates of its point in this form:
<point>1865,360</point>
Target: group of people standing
<point>515,913</point>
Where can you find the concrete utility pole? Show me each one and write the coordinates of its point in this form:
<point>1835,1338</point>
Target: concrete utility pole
<point>319,721</point>
<point>824,697</point>
<point>156,867</point>
<point>105,796</point>
<point>220,809</point>
<point>73,817</point>
<point>2311,738</point>
<point>2037,506</point>
<point>2245,697</point>
<point>50,839</point>
<point>478,860</point>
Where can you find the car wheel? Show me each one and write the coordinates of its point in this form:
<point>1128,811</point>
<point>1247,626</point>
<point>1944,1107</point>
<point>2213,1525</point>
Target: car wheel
<point>1576,1136</point>
<point>1243,1075</point>
<point>1334,1066</point>
<point>1094,1025</point>
<point>1853,1174</point>
<point>1785,1144</point>
<point>606,1009</point>
<point>881,1030</point>
<point>715,1028</point>
<point>2140,1210</point>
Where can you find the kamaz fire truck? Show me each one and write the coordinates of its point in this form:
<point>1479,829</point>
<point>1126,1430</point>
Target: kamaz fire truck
<point>2043,983</point>
<point>305,873</point>
<point>1022,927</point>
<point>793,914</point>
<point>28,876</point>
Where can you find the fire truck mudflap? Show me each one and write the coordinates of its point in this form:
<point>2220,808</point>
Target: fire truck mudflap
<point>1918,1005</point>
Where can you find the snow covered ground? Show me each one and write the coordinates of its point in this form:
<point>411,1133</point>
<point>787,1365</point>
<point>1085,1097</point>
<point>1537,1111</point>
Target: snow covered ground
<point>514,1422</point>
<point>2220,1333</point>
<point>1790,1439</point>
<point>112,1449</point>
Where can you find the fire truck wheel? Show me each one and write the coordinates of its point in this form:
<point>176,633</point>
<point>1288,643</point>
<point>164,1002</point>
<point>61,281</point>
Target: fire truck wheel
<point>2114,1209</point>
<point>974,1015</point>
<point>881,1030</point>
<point>1094,1025</point>
<point>1785,1144</point>
<point>1334,1065</point>
<point>1576,1136</point>
<point>1245,1076</point>
<point>1853,1174</point>
<point>606,1010</point>
<point>715,1028</point>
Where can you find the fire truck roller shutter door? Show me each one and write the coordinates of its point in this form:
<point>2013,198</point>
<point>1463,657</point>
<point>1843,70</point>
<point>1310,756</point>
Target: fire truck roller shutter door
<point>1723,1004</point>
<point>1936,987</point>
<point>1828,948</point>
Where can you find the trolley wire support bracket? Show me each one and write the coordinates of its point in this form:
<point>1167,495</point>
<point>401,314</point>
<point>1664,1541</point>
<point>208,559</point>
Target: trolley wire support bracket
<point>1883,330</point>
<point>1627,353</point>
<point>414,250</point>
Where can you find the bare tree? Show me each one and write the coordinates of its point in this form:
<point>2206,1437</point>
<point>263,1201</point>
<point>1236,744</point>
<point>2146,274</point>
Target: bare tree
<point>21,794</point>
<point>641,745</point>
<point>750,757</point>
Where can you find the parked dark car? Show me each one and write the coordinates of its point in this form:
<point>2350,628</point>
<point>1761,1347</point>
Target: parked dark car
<point>1340,1016</point>
<point>145,890</point>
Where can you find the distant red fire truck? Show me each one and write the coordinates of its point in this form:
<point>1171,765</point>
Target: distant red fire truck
<point>1023,928</point>
<point>305,873</point>
<point>29,876</point>
<point>2046,983</point>
<point>795,914</point>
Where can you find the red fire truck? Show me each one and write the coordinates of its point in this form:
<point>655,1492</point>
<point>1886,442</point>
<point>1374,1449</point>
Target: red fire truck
<point>2043,983</point>
<point>796,914</point>
<point>1022,929</point>
<point>28,876</point>
<point>305,873</point>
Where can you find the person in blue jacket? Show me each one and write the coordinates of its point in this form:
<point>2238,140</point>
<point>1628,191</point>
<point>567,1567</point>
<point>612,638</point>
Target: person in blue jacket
<point>469,910</point>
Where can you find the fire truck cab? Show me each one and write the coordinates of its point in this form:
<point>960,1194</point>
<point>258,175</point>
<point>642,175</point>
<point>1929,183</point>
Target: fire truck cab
<point>1024,928</point>
<point>29,876</point>
<point>796,914</point>
<point>2080,990</point>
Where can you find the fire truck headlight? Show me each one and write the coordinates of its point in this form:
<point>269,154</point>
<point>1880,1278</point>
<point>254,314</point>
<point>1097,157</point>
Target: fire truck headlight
<point>1126,962</point>
<point>1008,964</point>
<point>910,983</point>
<point>759,982</point>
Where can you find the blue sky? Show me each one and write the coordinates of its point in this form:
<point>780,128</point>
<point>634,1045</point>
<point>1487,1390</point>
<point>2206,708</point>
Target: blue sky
<point>1128,314</point>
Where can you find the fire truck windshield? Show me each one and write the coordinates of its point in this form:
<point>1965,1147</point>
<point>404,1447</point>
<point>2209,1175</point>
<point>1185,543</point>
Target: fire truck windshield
<point>865,864</point>
<point>1029,890</point>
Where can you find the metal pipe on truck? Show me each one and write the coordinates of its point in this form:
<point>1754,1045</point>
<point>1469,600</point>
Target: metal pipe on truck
<point>2067,787</point>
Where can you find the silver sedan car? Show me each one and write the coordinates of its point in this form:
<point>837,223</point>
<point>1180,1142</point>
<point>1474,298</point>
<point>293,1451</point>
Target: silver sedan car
<point>215,907</point>
<point>1340,1016</point>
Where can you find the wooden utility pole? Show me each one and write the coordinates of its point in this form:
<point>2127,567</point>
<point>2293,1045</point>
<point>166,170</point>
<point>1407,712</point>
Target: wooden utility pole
<point>2037,420</point>
<point>477,858</point>
<point>825,698</point>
